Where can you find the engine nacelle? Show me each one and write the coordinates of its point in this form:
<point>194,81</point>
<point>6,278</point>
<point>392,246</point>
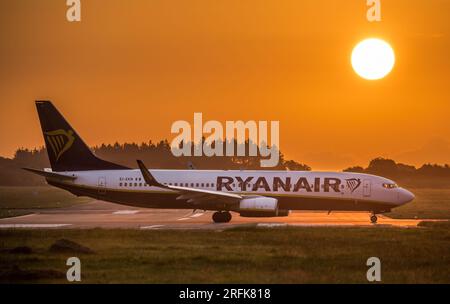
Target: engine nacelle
<point>260,206</point>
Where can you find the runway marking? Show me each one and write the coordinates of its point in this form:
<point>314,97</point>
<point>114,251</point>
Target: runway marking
<point>190,216</point>
<point>22,216</point>
<point>9,226</point>
<point>331,225</point>
<point>272,225</point>
<point>152,227</point>
<point>125,212</point>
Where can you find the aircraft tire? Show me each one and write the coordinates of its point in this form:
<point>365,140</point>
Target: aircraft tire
<point>227,217</point>
<point>221,217</point>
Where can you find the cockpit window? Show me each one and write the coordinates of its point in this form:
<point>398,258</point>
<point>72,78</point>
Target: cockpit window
<point>390,186</point>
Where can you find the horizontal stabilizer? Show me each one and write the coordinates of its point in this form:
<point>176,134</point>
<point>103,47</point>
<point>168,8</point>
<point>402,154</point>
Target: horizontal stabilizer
<point>52,175</point>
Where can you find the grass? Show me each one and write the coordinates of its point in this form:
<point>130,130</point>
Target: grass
<point>245,255</point>
<point>428,204</point>
<point>241,255</point>
<point>16,201</point>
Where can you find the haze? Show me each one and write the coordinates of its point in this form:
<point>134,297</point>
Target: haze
<point>131,68</point>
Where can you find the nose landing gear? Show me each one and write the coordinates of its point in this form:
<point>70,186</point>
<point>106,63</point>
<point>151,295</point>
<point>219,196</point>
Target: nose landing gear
<point>373,218</point>
<point>221,217</point>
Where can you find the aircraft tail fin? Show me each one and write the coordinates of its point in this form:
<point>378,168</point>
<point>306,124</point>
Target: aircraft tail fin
<point>66,150</point>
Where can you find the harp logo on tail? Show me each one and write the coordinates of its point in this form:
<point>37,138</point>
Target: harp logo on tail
<point>60,141</point>
<point>353,183</point>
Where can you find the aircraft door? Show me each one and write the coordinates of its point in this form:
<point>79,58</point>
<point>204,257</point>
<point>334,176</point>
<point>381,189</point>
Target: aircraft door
<point>102,185</point>
<point>367,187</point>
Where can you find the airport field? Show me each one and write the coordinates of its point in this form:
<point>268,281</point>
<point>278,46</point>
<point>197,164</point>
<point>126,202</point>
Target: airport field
<point>241,255</point>
<point>15,201</point>
<point>428,204</point>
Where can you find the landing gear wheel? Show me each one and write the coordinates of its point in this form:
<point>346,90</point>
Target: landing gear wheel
<point>217,217</point>
<point>221,217</point>
<point>373,219</point>
<point>227,217</point>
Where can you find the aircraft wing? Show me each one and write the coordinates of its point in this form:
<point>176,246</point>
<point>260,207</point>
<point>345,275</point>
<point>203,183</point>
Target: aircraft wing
<point>192,195</point>
<point>53,175</point>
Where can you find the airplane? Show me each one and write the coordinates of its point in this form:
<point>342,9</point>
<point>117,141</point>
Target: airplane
<point>251,193</point>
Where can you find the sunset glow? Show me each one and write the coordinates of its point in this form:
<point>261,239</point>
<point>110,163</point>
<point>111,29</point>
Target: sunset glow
<point>167,60</point>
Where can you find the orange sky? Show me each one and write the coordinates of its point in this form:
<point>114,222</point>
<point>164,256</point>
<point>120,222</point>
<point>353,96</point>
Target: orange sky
<point>131,68</point>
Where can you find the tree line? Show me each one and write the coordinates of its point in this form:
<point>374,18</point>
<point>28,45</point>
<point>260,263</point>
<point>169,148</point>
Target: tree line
<point>155,155</point>
<point>426,176</point>
<point>158,155</point>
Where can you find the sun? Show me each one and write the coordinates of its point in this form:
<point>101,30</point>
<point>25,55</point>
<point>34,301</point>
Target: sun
<point>373,58</point>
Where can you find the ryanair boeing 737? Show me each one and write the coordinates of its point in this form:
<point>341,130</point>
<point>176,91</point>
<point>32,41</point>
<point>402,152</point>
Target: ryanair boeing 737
<point>250,193</point>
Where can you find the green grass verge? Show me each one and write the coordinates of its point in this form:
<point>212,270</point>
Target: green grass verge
<point>252,255</point>
<point>16,201</point>
<point>428,204</point>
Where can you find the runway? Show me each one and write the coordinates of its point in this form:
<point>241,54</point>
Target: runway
<point>99,214</point>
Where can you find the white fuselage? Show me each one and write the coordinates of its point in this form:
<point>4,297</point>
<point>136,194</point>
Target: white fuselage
<point>295,190</point>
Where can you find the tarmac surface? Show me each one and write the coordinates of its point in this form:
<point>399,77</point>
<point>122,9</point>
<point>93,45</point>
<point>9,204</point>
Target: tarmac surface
<point>99,214</point>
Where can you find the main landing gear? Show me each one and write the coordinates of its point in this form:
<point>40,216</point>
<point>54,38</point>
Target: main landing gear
<point>373,218</point>
<point>221,217</point>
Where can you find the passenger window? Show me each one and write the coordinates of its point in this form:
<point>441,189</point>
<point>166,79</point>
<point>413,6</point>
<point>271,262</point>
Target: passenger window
<point>197,185</point>
<point>126,184</point>
<point>203,185</point>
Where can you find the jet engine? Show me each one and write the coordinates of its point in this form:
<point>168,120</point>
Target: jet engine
<point>260,206</point>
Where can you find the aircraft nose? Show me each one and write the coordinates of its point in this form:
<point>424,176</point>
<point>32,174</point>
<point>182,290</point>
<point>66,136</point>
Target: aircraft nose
<point>405,196</point>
